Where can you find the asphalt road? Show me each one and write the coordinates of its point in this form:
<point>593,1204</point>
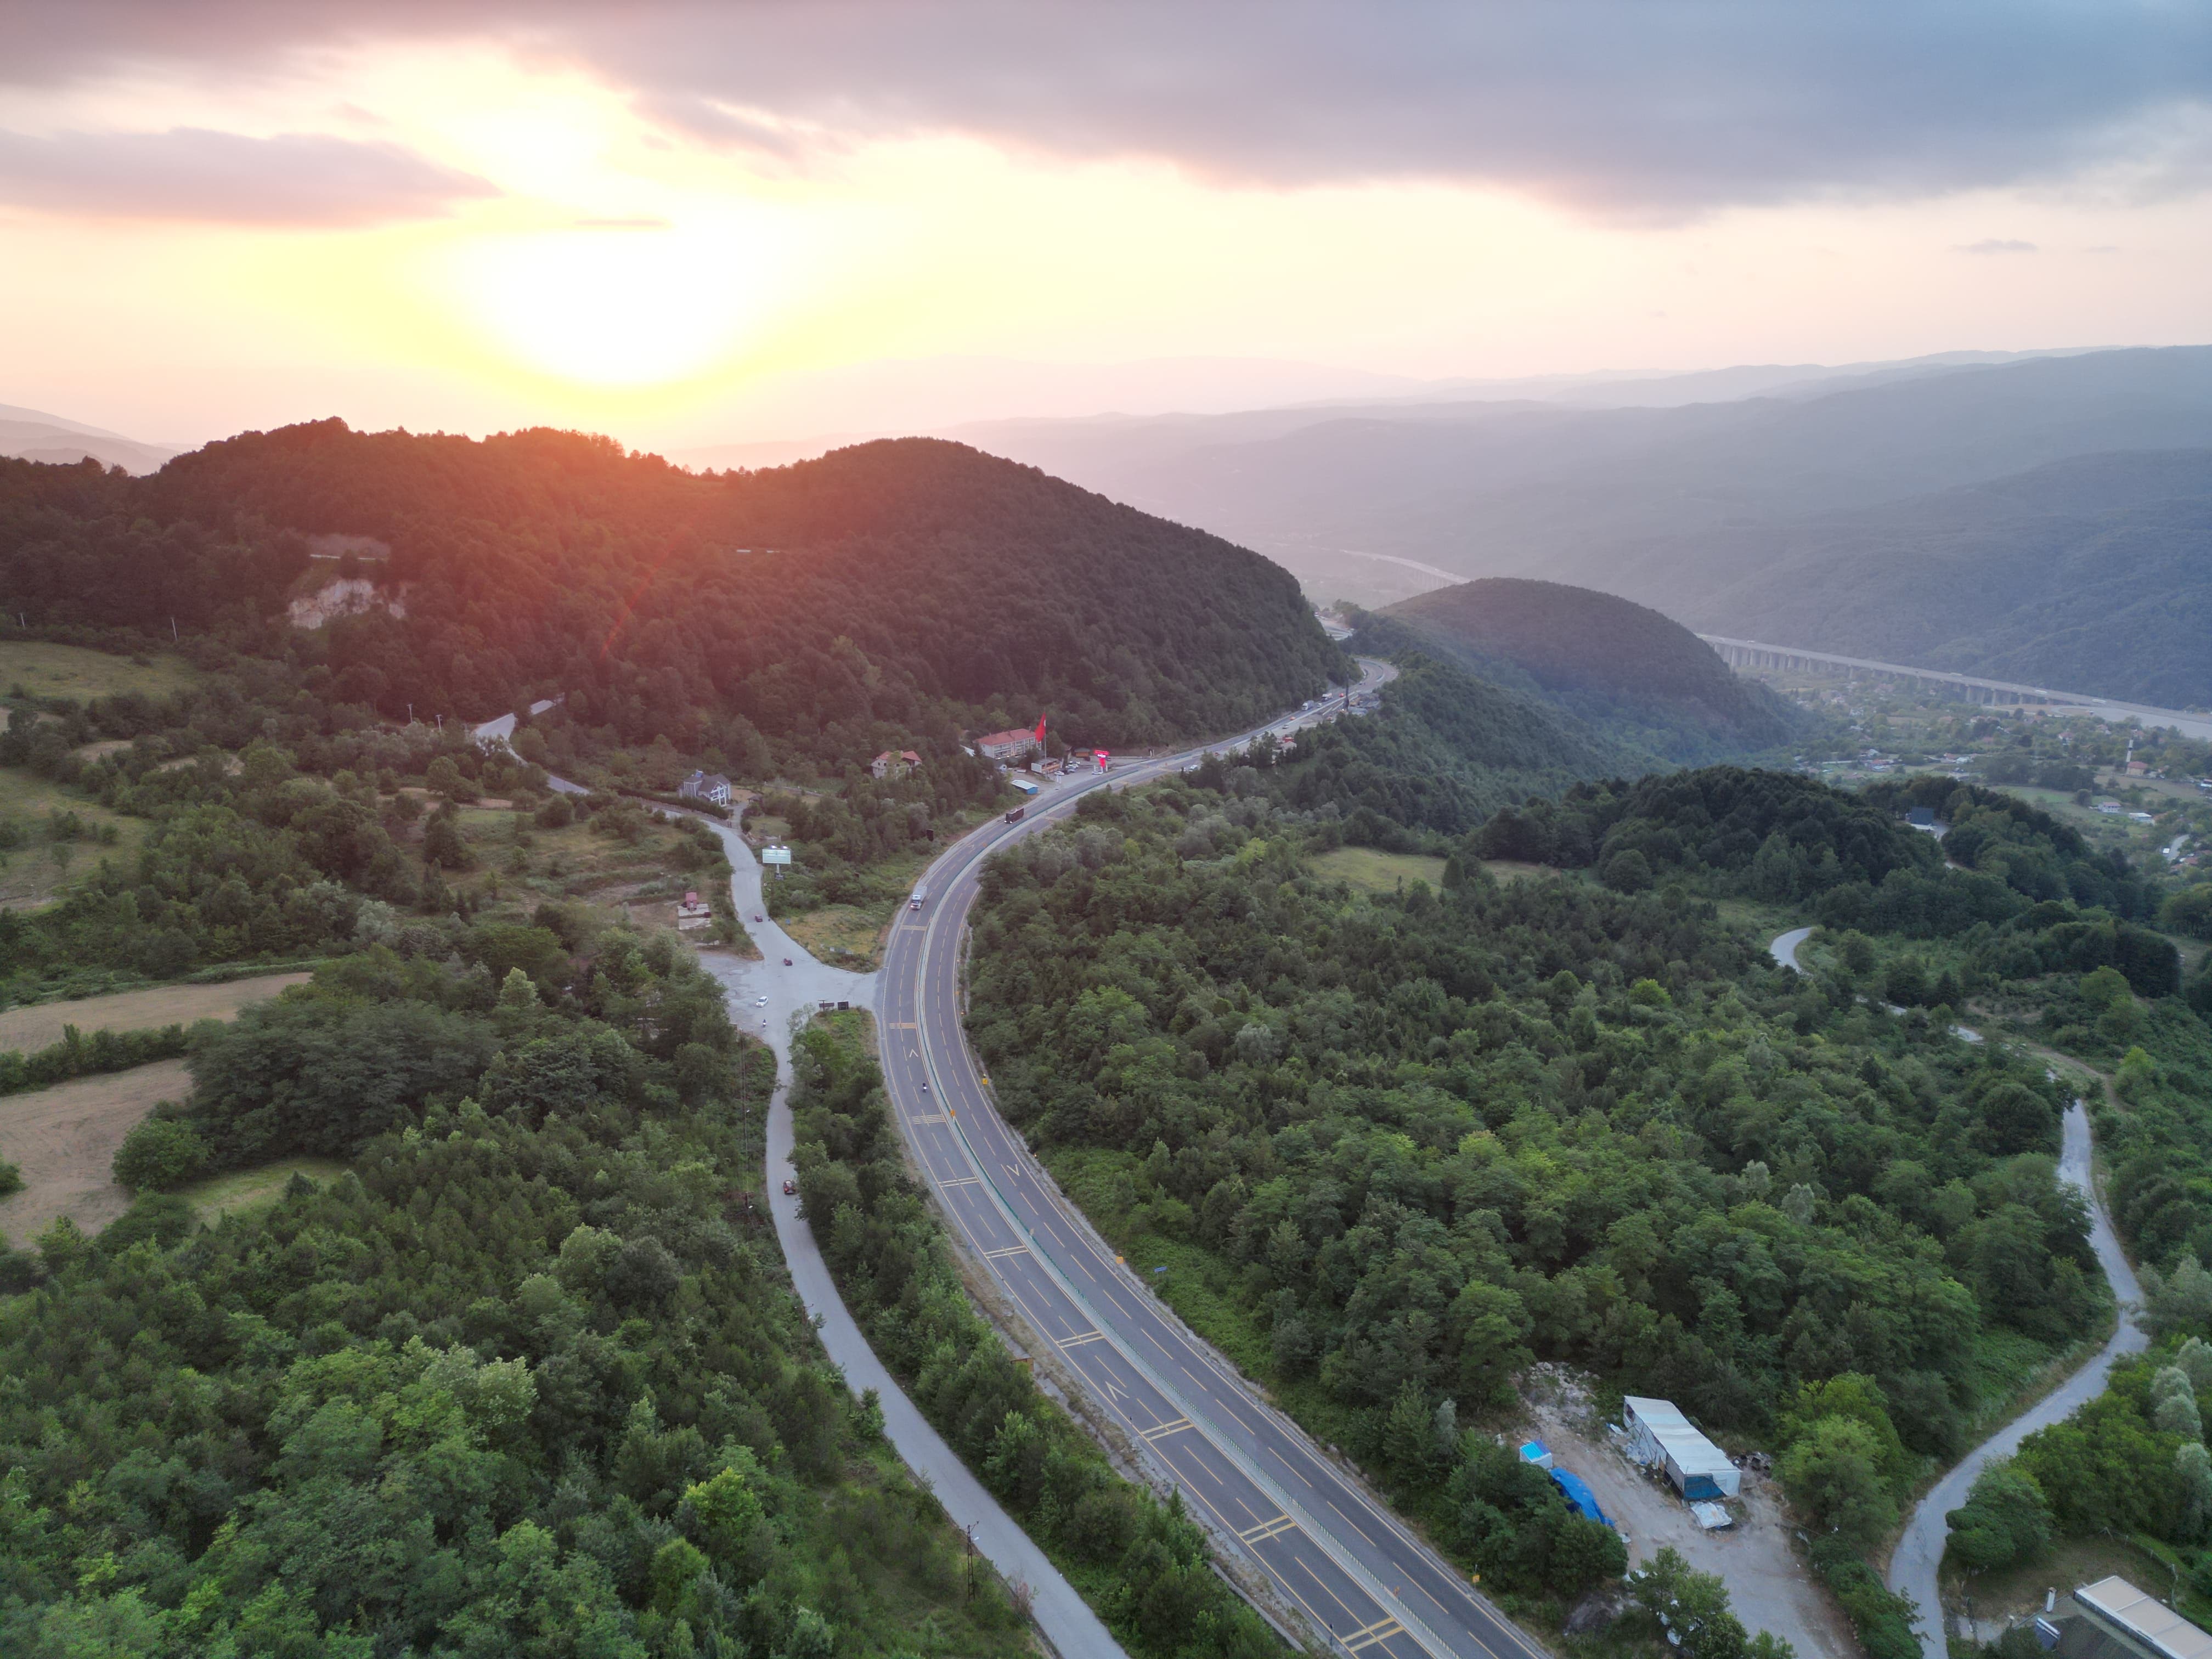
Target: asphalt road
<point>1331,1547</point>
<point>1914,1562</point>
<point>1784,948</point>
<point>771,1002</point>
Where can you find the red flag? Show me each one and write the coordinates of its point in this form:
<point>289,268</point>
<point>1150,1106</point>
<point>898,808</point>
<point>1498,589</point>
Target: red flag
<point>1039,733</point>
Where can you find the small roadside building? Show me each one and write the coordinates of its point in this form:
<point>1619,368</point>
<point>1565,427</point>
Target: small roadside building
<point>2116,1621</point>
<point>1014,746</point>
<point>706,786</point>
<point>1659,1436</point>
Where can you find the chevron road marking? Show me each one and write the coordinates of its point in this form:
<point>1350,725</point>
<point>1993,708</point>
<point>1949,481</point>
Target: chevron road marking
<point>1374,1634</point>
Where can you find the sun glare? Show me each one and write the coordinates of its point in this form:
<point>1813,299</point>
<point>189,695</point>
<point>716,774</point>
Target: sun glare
<point>612,306</point>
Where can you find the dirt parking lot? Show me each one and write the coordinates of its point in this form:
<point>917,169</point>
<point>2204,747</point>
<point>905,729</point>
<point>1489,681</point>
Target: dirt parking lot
<point>1768,1585</point>
<point>65,1137</point>
<point>40,1025</point>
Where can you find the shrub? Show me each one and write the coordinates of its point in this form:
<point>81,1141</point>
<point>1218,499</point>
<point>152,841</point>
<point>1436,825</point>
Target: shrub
<point>159,1154</point>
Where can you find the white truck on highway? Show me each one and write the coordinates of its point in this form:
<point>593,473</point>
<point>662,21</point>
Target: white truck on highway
<point>921,898</point>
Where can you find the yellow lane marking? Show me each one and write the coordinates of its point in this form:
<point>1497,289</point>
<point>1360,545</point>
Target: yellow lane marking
<point>1267,1529</point>
<point>1078,1341</point>
<point>1011,1250</point>
<point>1382,1632</point>
<point>963,1180</point>
<point>1163,1431</point>
<point>931,1117</point>
<point>904,1025</point>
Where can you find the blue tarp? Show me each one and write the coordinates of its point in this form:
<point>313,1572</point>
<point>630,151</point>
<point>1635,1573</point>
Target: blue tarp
<point>1579,1494</point>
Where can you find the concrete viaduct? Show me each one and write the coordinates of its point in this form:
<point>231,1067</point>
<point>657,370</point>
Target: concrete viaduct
<point>1755,654</point>
<point>1750,653</point>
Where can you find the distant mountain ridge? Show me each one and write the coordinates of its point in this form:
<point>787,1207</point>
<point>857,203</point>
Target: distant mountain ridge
<point>1835,516</point>
<point>2092,573</point>
<point>31,434</point>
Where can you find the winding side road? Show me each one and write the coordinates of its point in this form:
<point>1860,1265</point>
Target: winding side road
<point>1918,1557</point>
<point>772,999</point>
<point>791,995</point>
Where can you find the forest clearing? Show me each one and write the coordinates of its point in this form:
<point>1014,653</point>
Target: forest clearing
<point>41,1024</point>
<point>64,1140</point>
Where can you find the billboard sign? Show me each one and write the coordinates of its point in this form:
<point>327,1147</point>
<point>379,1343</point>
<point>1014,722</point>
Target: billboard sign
<point>775,855</point>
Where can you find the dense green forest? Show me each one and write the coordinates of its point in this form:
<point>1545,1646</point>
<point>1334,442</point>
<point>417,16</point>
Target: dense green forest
<point>1396,1147</point>
<point>527,1378</point>
<point>1630,671</point>
<point>1141,1564</point>
<point>2131,1464</point>
<point>911,589</point>
<point>1406,1144</point>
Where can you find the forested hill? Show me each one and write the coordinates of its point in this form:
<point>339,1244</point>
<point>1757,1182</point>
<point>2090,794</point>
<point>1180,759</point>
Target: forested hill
<point>913,585</point>
<point>1445,751</point>
<point>1605,658</point>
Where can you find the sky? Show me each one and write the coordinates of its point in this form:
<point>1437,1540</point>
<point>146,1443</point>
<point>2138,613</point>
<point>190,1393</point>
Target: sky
<point>691,224</point>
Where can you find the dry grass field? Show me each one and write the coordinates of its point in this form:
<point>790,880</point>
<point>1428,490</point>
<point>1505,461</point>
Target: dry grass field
<point>841,935</point>
<point>63,1139</point>
<point>45,670</point>
<point>40,1025</point>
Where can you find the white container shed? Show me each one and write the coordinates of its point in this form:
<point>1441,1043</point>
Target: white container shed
<point>1659,1433</point>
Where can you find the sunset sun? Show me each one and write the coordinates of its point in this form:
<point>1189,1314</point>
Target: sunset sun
<point>621,304</point>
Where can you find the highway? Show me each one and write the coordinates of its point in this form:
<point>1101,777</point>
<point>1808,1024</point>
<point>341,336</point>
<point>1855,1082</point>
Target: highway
<point>1330,1547</point>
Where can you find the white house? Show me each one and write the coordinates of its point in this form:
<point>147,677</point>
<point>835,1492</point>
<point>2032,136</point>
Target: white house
<point>706,786</point>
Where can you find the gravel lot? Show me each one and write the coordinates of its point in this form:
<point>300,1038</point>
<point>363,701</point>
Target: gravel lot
<point>1768,1585</point>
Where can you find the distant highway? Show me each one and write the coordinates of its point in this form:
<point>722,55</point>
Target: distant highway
<point>1331,1547</point>
<point>1756,654</point>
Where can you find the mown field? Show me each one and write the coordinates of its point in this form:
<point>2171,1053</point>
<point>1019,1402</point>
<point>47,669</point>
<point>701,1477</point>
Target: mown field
<point>41,1024</point>
<point>64,1140</point>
